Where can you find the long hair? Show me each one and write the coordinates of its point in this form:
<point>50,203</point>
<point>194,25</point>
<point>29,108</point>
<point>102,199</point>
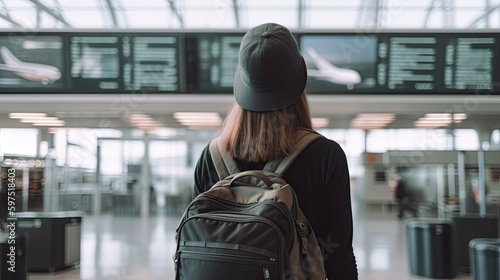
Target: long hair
<point>264,136</point>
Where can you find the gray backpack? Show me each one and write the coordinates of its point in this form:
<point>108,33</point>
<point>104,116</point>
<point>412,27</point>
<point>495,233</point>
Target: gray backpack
<point>248,226</point>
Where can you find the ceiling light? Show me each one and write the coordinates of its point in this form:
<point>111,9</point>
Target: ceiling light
<point>139,117</point>
<point>354,121</point>
<point>320,122</point>
<point>421,120</point>
<point>383,116</point>
<point>198,120</point>
<point>428,126</point>
<point>191,115</point>
<point>438,115</point>
<point>367,126</point>
<point>459,117</point>
<point>202,126</point>
<point>38,119</point>
<point>147,124</point>
<point>59,123</point>
<point>372,120</point>
<point>26,115</point>
<point>142,121</point>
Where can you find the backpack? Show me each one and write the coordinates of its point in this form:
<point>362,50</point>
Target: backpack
<point>248,226</point>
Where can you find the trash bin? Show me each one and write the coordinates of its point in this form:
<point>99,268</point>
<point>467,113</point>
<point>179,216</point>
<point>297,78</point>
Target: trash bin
<point>484,256</point>
<point>468,227</point>
<point>14,266</point>
<point>53,239</point>
<point>431,247</point>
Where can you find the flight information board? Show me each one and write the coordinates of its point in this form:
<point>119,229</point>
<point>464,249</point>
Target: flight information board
<point>469,63</point>
<point>95,62</point>
<point>205,62</point>
<point>438,63</point>
<point>212,61</point>
<point>408,63</point>
<point>151,63</point>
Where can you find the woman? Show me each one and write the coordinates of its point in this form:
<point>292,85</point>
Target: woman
<point>271,105</point>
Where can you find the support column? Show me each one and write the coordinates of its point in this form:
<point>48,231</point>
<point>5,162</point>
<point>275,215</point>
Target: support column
<point>451,180</point>
<point>26,189</point>
<point>49,201</point>
<point>98,185</point>
<point>440,190</point>
<point>145,179</point>
<point>482,182</point>
<point>462,192</point>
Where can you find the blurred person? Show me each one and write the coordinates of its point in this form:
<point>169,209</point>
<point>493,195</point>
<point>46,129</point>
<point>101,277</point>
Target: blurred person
<point>404,197</point>
<point>271,106</point>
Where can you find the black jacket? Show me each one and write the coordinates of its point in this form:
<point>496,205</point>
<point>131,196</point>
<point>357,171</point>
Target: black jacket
<point>320,177</point>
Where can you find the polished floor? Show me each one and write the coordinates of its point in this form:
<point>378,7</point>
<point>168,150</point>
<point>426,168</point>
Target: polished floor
<point>131,248</point>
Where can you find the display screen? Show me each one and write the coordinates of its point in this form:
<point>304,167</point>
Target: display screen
<point>95,62</point>
<point>151,63</point>
<point>339,62</point>
<point>408,63</point>
<point>212,60</point>
<point>31,62</point>
<point>469,63</point>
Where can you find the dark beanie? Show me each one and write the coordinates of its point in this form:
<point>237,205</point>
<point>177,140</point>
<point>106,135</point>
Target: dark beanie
<point>271,73</point>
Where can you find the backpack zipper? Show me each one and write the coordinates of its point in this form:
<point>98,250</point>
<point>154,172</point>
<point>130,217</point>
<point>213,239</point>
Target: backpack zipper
<point>224,256</point>
<point>229,217</point>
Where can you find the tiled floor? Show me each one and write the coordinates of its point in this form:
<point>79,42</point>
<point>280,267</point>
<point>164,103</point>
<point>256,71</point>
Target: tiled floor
<point>130,248</point>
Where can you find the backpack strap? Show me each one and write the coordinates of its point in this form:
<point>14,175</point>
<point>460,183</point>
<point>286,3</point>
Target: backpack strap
<point>305,137</point>
<point>223,163</point>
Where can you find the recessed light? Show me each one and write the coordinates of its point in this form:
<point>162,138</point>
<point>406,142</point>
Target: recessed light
<point>26,115</point>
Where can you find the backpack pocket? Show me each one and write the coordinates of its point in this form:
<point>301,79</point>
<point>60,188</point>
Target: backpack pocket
<point>207,263</point>
<point>230,247</point>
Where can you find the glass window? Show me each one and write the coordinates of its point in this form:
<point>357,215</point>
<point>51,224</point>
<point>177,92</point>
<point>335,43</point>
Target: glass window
<point>381,140</point>
<point>222,17</point>
<point>133,151</point>
<point>111,157</point>
<point>284,16</point>
<point>141,18</point>
<point>18,141</point>
<point>495,137</point>
<point>376,141</point>
<point>168,157</point>
<point>75,4</point>
<point>329,18</point>
<point>465,17</point>
<point>409,4</point>
<point>157,4</point>
<point>24,17</point>
<point>404,18</point>
<point>85,18</point>
<point>336,3</point>
<point>466,139</point>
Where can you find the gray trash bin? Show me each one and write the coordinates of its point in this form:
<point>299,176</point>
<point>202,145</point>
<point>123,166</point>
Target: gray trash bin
<point>431,250</point>
<point>485,258</point>
<point>53,239</point>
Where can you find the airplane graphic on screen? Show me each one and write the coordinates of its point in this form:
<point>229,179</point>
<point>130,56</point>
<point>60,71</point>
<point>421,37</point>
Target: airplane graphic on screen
<point>329,72</point>
<point>31,71</point>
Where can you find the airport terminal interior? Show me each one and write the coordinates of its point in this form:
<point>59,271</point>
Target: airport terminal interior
<point>106,106</point>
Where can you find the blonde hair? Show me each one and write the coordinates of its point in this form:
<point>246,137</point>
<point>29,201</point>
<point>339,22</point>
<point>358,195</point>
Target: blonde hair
<point>263,136</point>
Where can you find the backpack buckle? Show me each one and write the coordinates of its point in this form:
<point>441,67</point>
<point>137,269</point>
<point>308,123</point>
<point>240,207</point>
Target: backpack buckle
<point>301,229</point>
